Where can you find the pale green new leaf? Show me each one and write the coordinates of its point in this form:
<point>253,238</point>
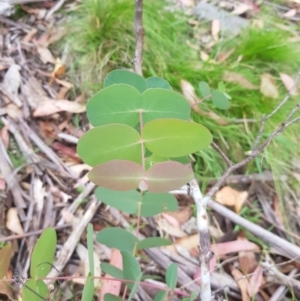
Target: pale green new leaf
<point>175,138</point>
<point>151,242</point>
<point>37,291</point>
<point>110,142</point>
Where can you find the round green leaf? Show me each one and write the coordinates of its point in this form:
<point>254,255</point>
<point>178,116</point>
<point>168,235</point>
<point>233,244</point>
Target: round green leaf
<point>175,138</point>
<point>118,175</point>
<point>204,89</point>
<point>114,104</point>
<point>161,103</point>
<point>111,270</point>
<point>111,297</point>
<point>42,256</point>
<point>37,291</point>
<point>117,238</point>
<point>160,296</point>
<point>220,100</point>
<point>126,77</point>
<point>152,242</point>
<point>110,142</point>
<point>171,276</point>
<point>126,201</point>
<point>157,82</point>
<point>167,176</point>
<point>221,87</point>
<point>155,203</point>
<point>131,268</point>
<point>5,256</point>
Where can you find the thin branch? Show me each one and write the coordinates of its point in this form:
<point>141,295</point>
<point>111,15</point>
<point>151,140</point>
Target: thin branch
<point>254,153</point>
<point>223,155</point>
<point>139,35</point>
<point>267,117</point>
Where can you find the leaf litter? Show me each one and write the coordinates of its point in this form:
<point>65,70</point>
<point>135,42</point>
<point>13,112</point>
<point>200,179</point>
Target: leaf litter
<point>39,100</point>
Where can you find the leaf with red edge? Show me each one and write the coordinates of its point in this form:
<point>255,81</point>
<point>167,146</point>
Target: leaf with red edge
<point>117,175</point>
<point>167,176</point>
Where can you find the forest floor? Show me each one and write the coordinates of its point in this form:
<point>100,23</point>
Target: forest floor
<point>54,55</point>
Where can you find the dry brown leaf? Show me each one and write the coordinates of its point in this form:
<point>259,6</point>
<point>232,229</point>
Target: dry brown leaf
<point>64,83</point>
<point>242,282</point>
<point>230,197</point>
<point>277,209</point>
<point>288,82</point>
<point>215,30</point>
<point>13,111</point>
<point>2,183</point>
<point>4,136</point>
<point>166,227</point>
<point>233,77</point>
<point>29,35</point>
<point>12,221</point>
<point>222,57</point>
<point>5,289</point>
<point>34,92</point>
<point>181,216</point>
<point>189,93</point>
<point>247,260</point>
<point>290,14</point>
<point>45,55</point>
<point>51,106</point>
<point>255,282</point>
<point>268,86</point>
<point>59,68</point>
<point>241,9</point>
<point>112,287</point>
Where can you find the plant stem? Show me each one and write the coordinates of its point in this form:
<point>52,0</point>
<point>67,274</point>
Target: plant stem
<point>204,238</point>
<point>139,35</point>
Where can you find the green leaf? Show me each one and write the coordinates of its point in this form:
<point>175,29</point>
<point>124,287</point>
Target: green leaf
<point>35,290</point>
<point>118,175</point>
<point>126,77</point>
<point>153,159</point>
<point>167,176</point>
<point>160,296</point>
<point>89,289</point>
<point>90,245</point>
<point>161,103</point>
<point>135,287</point>
<point>115,104</point>
<point>126,201</point>
<point>117,238</point>
<point>111,297</point>
<point>110,142</point>
<point>131,268</point>
<point>221,87</point>
<point>43,253</point>
<point>183,159</point>
<point>112,270</point>
<point>151,242</point>
<point>220,100</point>
<point>155,203</point>
<point>157,82</point>
<point>175,138</point>
<point>5,256</point>
<point>204,89</point>
<point>171,276</point>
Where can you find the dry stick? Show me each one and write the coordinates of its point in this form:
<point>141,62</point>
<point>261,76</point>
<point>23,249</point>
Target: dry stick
<point>202,202</point>
<point>47,150</point>
<point>11,181</point>
<point>139,36</point>
<point>69,246</point>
